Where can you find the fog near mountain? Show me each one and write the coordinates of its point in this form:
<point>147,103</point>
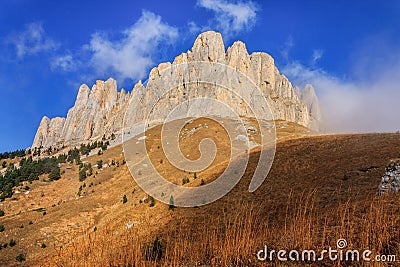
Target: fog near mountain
<point>369,103</point>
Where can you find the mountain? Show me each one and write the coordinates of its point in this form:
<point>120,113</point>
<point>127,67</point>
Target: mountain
<point>100,111</point>
<point>96,112</point>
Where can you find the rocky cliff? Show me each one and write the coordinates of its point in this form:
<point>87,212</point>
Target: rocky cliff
<point>101,110</point>
<point>309,97</point>
<point>97,112</point>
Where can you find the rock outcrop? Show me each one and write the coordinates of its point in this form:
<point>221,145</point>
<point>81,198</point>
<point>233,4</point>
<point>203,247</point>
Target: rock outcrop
<point>309,97</point>
<point>390,182</point>
<point>97,112</point>
<point>100,111</point>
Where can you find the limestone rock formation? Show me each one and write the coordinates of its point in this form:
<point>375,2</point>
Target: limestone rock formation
<point>308,97</point>
<point>284,102</point>
<point>100,111</point>
<point>97,112</point>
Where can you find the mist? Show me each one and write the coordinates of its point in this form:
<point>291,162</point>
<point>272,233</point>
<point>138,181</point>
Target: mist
<point>367,102</point>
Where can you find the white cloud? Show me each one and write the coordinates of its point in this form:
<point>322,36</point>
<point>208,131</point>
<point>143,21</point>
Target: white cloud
<point>32,40</point>
<point>65,63</point>
<point>131,55</point>
<point>231,17</point>
<point>317,55</point>
<point>287,46</point>
<point>193,27</point>
<point>368,105</point>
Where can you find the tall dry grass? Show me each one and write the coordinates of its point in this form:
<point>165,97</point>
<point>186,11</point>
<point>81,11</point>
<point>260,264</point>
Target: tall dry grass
<point>233,236</point>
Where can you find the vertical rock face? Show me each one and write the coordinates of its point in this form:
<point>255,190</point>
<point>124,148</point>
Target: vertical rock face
<point>42,132</point>
<point>259,67</point>
<point>96,112</point>
<point>100,111</point>
<point>308,97</point>
<point>48,133</point>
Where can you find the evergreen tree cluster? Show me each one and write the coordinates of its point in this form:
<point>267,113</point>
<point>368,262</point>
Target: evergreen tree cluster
<point>29,170</point>
<point>85,170</point>
<point>13,154</point>
<point>85,149</point>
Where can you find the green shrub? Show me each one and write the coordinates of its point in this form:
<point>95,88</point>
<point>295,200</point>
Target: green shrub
<point>124,199</point>
<point>12,243</point>
<point>171,203</point>
<point>152,202</point>
<point>1,213</point>
<point>55,174</point>
<point>90,171</point>
<point>99,164</point>
<point>2,228</point>
<point>20,257</point>
<point>82,175</point>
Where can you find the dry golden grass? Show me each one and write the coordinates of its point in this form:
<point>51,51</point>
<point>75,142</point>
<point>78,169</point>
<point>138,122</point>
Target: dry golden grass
<point>233,237</point>
<point>318,191</point>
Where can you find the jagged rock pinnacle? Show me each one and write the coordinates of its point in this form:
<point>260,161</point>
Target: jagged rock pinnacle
<point>100,111</point>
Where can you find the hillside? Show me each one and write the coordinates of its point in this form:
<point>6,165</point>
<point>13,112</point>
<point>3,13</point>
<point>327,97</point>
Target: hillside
<point>320,188</point>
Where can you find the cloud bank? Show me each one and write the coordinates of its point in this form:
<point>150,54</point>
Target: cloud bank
<point>230,17</point>
<point>363,105</point>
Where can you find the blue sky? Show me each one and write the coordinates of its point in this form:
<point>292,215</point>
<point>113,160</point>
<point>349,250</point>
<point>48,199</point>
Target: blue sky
<point>349,51</point>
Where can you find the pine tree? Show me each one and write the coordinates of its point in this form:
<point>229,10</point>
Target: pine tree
<point>82,175</point>
<point>55,174</point>
<point>171,203</point>
<point>99,164</point>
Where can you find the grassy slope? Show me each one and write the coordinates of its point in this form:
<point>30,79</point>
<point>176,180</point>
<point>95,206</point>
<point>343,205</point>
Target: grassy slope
<point>317,191</point>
